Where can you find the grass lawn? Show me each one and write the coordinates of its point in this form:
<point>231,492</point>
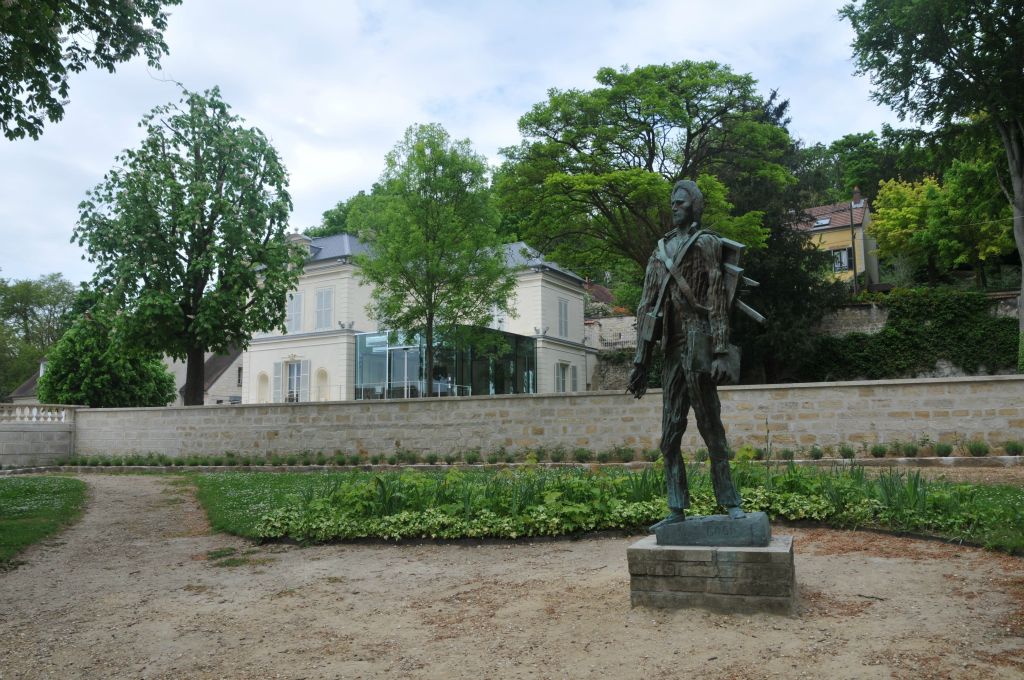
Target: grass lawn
<point>32,508</point>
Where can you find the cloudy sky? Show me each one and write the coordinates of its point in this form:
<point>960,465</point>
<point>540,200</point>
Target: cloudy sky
<point>335,84</point>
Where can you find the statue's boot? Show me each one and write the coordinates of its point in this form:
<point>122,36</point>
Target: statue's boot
<point>736,512</point>
<point>674,517</point>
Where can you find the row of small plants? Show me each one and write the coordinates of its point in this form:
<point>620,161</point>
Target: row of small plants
<point>555,454</point>
<point>897,449</point>
<point>537,501</point>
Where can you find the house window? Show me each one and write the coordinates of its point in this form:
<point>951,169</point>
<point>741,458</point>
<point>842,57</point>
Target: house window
<point>563,318</point>
<point>293,314</point>
<point>561,377</point>
<point>239,382</point>
<point>498,318</point>
<point>573,381</point>
<point>291,381</point>
<point>842,260</point>
<point>822,221</point>
<point>324,308</point>
<point>294,385</point>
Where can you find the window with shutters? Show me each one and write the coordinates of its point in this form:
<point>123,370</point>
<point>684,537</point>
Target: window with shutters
<point>573,381</point>
<point>563,318</point>
<point>324,308</point>
<point>561,377</point>
<point>293,314</point>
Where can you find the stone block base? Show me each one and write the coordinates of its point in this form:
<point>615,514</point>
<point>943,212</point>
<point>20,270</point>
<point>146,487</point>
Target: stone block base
<point>723,579</point>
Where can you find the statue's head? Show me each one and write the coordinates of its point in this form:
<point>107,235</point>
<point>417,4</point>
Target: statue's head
<point>687,203</point>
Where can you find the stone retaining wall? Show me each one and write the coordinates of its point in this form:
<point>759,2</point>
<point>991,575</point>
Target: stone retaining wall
<point>827,414</point>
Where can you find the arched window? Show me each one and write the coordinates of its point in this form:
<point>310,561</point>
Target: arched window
<point>262,388</point>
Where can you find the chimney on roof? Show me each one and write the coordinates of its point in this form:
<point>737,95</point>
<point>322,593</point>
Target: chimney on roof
<point>301,240</point>
<point>857,201</point>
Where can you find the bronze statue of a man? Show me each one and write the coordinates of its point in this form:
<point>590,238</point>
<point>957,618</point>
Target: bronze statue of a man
<point>689,289</point>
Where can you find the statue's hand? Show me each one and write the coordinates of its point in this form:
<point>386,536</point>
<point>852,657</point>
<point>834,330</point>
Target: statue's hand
<point>638,381</point>
<point>719,372</point>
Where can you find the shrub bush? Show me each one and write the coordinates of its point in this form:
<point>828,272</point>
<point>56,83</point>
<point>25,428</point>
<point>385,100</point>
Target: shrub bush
<point>450,458</point>
<point>603,456</point>
<point>909,450</point>
<point>879,450</point>
<point>431,458</point>
<point>492,458</point>
<point>924,325</point>
<point>392,459</point>
<point>700,455</point>
<point>376,458</point>
<point>472,456</point>
<point>943,449</point>
<point>847,452</point>
<point>355,459</point>
<point>557,454</point>
<point>817,453</point>
<point>787,454</point>
<point>977,448</point>
<point>1013,448</point>
<point>651,455</point>
<point>582,455</point>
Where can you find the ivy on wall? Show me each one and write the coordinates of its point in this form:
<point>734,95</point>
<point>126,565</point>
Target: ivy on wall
<point>924,326</point>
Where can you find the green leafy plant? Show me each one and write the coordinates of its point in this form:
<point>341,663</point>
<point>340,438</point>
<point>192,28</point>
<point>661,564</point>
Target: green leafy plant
<point>879,450</point>
<point>816,453</point>
<point>582,455</point>
<point>909,449</point>
<point>472,456</point>
<point>977,448</point>
<point>557,454</point>
<point>943,449</point>
<point>450,458</point>
<point>431,458</point>
<point>847,452</point>
<point>1013,448</point>
<point>492,458</point>
<point>392,459</point>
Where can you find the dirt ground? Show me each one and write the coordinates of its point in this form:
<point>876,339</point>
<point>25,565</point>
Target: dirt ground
<point>130,592</point>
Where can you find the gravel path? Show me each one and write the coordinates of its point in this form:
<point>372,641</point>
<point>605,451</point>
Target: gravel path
<point>130,592</point>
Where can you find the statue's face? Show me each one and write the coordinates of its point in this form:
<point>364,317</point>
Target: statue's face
<point>682,208</point>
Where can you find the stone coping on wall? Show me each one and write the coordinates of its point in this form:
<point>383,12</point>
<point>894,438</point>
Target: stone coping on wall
<point>926,461</point>
<point>600,393</point>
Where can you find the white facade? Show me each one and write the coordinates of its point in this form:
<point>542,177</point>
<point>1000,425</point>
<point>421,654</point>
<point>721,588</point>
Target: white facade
<point>315,360</point>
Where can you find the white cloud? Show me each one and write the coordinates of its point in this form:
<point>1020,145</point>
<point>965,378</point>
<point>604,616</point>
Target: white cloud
<point>335,85</point>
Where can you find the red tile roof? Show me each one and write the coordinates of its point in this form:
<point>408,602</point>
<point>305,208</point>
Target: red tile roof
<point>838,214</point>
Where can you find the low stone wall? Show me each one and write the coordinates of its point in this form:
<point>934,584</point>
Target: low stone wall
<point>35,434</point>
<point>827,414</point>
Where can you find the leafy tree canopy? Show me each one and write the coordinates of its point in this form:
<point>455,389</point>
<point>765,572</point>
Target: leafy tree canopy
<point>45,41</point>
<point>34,313</point>
<point>335,220</point>
<point>92,366</point>
<point>435,258</point>
<point>592,177</point>
<point>188,233</point>
<point>945,61</point>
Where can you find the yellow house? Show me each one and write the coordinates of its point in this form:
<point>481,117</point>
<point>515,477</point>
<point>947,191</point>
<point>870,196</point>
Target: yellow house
<point>840,228</point>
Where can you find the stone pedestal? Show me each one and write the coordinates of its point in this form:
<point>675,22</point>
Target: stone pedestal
<point>724,579</point>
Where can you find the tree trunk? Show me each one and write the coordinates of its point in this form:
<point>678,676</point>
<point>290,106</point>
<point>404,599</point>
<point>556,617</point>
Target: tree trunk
<point>428,365</point>
<point>1012,133</point>
<point>195,376</point>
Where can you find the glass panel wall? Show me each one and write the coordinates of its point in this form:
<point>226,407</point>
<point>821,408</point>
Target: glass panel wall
<point>504,363</point>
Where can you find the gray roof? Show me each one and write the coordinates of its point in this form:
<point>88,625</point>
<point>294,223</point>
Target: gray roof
<point>333,247</point>
<point>517,255</point>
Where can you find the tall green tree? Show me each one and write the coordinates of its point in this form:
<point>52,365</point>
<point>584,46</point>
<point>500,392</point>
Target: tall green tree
<point>434,258</point>
<point>46,41</point>
<point>34,313</point>
<point>335,220</point>
<point>591,177</point>
<point>188,234</point>
<point>944,61</point>
<point>91,365</point>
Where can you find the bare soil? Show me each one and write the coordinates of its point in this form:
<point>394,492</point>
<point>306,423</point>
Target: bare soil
<point>131,591</point>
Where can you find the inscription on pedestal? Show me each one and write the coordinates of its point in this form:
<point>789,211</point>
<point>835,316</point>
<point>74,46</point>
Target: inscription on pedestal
<point>718,530</point>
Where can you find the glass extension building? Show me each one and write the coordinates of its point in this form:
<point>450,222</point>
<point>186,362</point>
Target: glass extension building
<point>503,363</point>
